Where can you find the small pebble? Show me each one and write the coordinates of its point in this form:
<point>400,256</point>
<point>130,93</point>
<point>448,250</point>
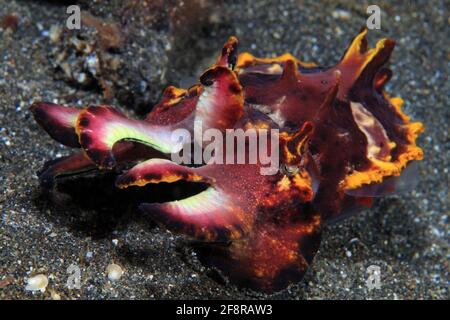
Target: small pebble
<point>55,295</point>
<point>114,272</point>
<point>55,33</point>
<point>37,283</point>
<point>341,14</point>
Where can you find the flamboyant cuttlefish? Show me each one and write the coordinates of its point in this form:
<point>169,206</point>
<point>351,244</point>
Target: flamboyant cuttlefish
<point>342,140</point>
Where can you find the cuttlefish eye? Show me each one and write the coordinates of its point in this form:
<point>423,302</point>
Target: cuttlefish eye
<point>212,75</point>
<point>206,81</point>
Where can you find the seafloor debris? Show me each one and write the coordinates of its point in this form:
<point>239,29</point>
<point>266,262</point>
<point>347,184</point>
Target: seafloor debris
<point>6,282</point>
<point>10,22</point>
<point>343,140</point>
<point>87,59</point>
<point>123,48</point>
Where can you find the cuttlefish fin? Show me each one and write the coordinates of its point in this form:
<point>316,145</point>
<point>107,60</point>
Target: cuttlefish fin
<point>209,215</point>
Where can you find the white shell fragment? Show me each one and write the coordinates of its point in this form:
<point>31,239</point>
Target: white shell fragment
<point>37,283</point>
<point>114,272</point>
